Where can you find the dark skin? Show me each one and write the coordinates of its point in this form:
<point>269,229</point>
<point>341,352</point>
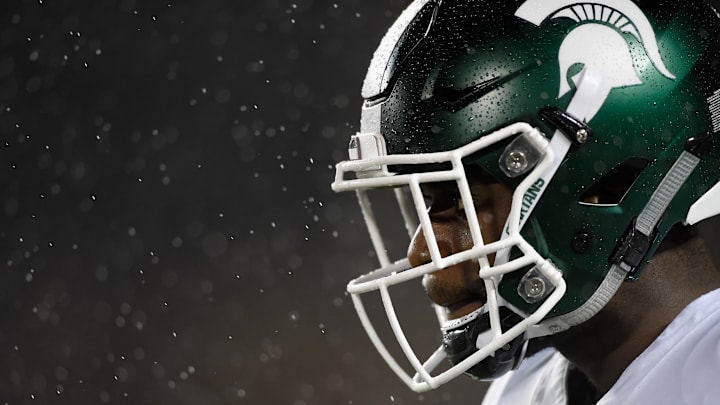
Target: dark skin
<point>621,331</point>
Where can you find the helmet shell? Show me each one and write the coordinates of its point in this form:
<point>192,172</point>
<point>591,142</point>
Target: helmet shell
<point>461,69</point>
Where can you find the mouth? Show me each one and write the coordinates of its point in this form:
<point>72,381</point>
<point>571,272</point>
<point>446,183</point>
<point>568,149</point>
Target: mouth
<point>467,304</point>
<point>473,299</point>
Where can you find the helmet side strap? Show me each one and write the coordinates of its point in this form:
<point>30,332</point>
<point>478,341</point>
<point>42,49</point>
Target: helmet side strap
<point>633,247</point>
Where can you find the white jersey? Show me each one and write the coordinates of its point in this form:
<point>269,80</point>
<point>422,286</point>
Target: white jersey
<point>682,366</point>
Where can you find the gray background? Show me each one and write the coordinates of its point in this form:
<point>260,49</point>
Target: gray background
<point>167,231</point>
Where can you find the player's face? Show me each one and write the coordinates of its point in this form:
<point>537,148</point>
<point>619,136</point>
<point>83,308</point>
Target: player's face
<point>459,288</point>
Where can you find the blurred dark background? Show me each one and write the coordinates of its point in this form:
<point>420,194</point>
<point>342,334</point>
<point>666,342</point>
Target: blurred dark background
<point>167,230</point>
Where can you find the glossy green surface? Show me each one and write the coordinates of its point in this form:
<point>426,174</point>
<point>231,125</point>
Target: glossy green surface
<point>480,68</point>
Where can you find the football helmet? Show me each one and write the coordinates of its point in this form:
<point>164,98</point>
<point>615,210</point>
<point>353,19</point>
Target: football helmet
<point>602,118</point>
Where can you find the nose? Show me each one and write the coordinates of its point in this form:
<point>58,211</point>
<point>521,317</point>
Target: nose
<point>455,285</point>
<point>459,288</point>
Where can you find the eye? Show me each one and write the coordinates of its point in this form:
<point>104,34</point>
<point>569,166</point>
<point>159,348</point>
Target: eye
<point>482,201</point>
<point>443,201</point>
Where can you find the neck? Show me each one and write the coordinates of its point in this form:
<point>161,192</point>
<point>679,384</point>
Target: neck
<point>604,360</point>
<point>603,347</point>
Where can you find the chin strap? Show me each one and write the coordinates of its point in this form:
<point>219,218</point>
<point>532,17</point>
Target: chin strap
<point>609,286</point>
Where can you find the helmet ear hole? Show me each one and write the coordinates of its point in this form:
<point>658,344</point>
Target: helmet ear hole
<point>611,188</point>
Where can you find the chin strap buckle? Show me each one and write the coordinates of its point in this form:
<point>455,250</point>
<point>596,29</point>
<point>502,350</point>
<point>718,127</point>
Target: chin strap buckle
<point>632,249</point>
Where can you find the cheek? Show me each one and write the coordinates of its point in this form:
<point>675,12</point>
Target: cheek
<point>492,224</point>
<point>466,240</point>
<point>487,226</point>
<point>493,215</point>
<point>486,218</point>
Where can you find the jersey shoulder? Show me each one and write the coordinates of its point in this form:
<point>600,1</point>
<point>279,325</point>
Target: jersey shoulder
<point>540,379</point>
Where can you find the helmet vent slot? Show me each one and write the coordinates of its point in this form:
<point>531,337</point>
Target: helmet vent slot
<point>611,188</point>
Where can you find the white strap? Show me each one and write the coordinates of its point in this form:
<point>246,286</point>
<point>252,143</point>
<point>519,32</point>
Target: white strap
<point>666,191</point>
<point>591,93</point>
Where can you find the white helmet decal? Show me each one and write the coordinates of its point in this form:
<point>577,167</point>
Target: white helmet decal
<point>599,44</point>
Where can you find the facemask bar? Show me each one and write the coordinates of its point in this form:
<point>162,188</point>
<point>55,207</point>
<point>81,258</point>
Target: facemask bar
<point>390,274</point>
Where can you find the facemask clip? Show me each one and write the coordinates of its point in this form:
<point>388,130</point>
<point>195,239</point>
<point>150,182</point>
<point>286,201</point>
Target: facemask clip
<point>535,286</point>
<point>520,157</point>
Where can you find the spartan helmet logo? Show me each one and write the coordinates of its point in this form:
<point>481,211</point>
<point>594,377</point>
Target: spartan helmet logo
<point>598,43</point>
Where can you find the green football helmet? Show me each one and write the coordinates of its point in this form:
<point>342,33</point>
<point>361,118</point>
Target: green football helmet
<point>600,116</point>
